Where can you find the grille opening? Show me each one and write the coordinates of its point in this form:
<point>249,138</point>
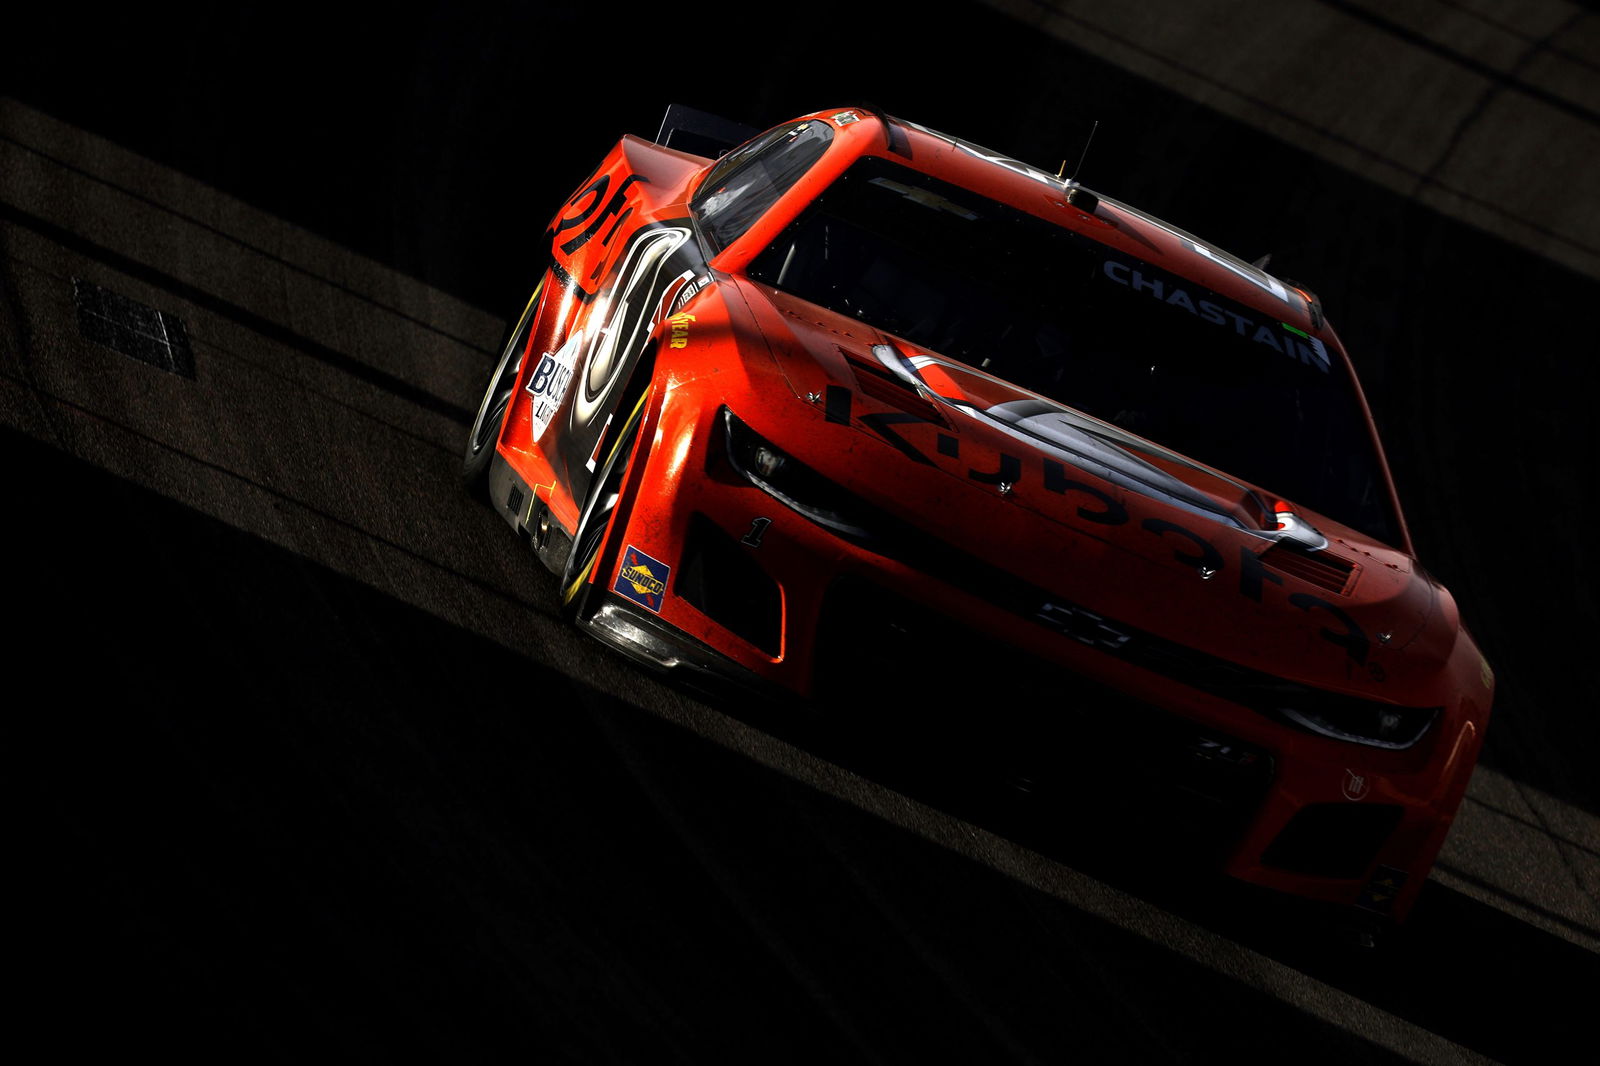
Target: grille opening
<point>1332,839</point>
<point>947,694</point>
<point>720,579</point>
<point>1317,568</point>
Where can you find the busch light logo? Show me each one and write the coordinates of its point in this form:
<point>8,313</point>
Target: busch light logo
<point>547,385</point>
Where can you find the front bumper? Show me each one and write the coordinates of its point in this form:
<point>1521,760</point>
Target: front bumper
<point>763,599</point>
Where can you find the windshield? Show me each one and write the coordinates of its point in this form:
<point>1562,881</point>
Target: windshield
<point>741,187</point>
<point>1100,331</point>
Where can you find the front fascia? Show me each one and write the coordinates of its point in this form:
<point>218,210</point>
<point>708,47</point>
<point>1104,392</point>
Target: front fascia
<point>685,478</point>
<point>723,360</point>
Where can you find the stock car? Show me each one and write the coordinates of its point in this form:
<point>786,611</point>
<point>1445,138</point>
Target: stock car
<point>860,410</point>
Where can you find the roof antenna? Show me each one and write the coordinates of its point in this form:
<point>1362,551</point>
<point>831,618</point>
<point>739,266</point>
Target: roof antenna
<point>1081,157</point>
<point>1077,195</point>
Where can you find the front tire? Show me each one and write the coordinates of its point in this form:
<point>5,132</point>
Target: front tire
<point>588,541</point>
<point>496,400</point>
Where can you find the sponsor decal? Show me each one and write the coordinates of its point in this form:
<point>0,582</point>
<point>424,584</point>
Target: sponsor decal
<point>758,529</point>
<point>547,385</point>
<point>1103,508</point>
<point>1356,786</point>
<point>642,579</point>
<point>680,329</point>
<point>592,207</point>
<point>1284,339</point>
<point>686,291</point>
<point>846,118</point>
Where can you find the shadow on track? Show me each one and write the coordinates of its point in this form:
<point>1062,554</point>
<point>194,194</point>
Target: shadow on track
<point>283,810</point>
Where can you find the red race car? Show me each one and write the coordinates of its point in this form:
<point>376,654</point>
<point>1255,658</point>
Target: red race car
<point>864,411</point>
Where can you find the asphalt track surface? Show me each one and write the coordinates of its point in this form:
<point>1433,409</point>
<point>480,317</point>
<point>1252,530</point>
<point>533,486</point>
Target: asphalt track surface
<point>308,767</point>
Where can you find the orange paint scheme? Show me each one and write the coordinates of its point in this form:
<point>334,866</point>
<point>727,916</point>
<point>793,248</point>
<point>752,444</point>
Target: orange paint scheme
<point>1171,587</point>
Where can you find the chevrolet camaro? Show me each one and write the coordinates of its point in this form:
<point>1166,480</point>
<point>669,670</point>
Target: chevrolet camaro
<point>862,411</point>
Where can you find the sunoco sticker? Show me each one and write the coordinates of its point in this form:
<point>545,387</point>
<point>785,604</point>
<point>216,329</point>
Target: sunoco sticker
<point>642,579</point>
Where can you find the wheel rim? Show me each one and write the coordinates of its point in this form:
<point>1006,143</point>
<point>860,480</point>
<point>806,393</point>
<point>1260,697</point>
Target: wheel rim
<point>492,411</point>
<point>490,416</point>
<point>493,408</point>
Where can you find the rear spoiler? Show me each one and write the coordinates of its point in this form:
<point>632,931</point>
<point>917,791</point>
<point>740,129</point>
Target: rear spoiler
<point>700,132</point>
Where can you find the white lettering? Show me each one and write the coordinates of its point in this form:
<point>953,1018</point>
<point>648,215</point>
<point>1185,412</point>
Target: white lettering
<point>1153,286</point>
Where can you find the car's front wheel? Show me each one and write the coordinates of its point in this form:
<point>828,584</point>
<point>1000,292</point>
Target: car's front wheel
<point>588,540</point>
<point>496,398</point>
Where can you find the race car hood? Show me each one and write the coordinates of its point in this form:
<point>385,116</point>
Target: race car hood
<point>978,403</point>
<point>1150,520</point>
<point>998,427</point>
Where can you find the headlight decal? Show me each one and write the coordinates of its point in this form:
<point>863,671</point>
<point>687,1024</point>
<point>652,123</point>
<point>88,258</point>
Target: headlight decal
<point>790,482</point>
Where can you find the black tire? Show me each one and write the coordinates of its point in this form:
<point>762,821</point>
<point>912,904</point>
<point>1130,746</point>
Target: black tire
<point>588,540</point>
<point>496,398</point>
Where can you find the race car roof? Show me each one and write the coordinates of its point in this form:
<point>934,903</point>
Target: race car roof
<point>1041,193</point>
